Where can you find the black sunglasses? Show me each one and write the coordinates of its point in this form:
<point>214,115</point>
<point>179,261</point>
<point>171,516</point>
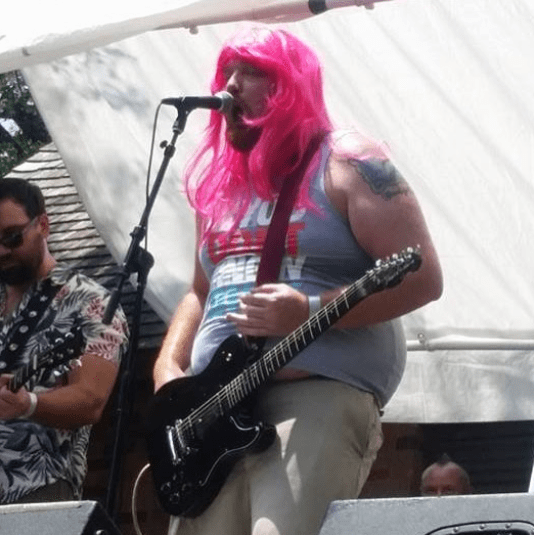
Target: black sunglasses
<point>14,239</point>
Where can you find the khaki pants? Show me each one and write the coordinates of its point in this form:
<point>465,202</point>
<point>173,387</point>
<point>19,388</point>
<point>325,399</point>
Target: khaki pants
<point>328,436</point>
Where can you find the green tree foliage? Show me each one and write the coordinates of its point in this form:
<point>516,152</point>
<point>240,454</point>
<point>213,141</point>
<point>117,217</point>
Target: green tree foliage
<point>17,105</point>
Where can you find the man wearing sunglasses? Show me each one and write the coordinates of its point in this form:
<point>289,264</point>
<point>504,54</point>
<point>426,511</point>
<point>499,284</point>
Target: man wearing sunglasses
<point>50,317</point>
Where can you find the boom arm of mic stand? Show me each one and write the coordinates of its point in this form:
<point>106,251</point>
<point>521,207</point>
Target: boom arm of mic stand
<point>140,231</point>
<point>137,259</point>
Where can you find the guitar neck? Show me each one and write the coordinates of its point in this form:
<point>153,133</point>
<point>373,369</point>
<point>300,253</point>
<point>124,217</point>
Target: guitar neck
<point>20,377</point>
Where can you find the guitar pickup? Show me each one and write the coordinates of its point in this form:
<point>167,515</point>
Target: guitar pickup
<point>170,441</point>
<point>174,439</point>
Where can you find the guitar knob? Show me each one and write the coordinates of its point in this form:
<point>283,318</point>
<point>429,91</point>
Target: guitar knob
<point>174,498</point>
<point>166,488</point>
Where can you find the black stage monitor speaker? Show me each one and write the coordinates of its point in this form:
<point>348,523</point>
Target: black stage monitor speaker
<point>487,514</point>
<point>57,518</point>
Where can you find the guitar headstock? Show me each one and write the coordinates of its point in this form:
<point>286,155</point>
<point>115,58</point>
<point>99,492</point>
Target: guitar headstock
<point>64,352</point>
<point>389,272</point>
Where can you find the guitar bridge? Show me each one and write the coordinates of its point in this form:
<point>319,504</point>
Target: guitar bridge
<point>170,442</point>
<point>177,443</point>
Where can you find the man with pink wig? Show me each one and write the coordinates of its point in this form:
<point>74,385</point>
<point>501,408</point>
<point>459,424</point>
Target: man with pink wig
<point>352,208</point>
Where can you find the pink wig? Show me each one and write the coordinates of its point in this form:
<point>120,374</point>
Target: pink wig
<point>221,180</point>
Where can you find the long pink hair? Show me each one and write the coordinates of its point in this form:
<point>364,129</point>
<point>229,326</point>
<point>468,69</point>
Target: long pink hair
<point>221,180</point>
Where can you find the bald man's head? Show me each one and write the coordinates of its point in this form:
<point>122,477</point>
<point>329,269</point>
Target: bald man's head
<point>445,478</point>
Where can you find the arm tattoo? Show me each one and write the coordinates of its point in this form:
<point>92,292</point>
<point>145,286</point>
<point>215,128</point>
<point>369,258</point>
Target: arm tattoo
<point>382,177</point>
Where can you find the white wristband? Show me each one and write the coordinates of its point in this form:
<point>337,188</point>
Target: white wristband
<point>314,304</point>
<point>32,407</point>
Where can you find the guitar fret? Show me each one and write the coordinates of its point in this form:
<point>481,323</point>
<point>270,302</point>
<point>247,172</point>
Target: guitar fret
<point>253,380</point>
<point>232,394</point>
<point>274,364</point>
<point>229,398</point>
<point>259,376</point>
<point>262,375</point>
<point>220,405</point>
<point>242,389</point>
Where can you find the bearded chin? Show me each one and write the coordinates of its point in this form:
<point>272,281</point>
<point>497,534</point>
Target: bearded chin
<point>18,275</point>
<point>243,139</point>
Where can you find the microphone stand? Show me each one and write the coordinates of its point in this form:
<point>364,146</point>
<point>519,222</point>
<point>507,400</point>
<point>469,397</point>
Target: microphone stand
<point>137,260</point>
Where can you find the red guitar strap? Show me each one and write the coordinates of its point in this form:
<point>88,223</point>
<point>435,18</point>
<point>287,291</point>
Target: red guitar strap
<point>274,245</point>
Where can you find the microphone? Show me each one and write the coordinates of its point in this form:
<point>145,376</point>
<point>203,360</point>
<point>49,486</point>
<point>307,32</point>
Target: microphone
<point>221,101</point>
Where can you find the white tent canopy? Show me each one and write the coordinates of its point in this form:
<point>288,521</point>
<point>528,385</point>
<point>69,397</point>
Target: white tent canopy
<point>447,84</point>
<point>66,28</point>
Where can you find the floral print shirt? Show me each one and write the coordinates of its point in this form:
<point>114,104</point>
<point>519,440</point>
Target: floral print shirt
<point>33,455</point>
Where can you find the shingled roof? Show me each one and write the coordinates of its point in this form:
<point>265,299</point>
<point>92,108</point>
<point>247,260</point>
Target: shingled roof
<point>74,239</point>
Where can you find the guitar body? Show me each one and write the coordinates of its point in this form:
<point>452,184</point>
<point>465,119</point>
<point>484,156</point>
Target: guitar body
<point>192,452</point>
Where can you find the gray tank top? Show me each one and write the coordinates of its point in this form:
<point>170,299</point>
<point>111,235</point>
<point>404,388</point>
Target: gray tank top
<point>322,253</point>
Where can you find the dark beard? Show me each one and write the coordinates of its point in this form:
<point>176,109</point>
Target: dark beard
<point>17,275</point>
<point>243,139</point>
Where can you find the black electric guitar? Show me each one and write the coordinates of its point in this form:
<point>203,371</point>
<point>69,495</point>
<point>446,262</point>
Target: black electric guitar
<point>59,357</point>
<point>199,426</point>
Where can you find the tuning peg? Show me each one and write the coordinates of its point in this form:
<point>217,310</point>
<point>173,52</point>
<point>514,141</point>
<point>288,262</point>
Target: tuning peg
<point>75,363</point>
